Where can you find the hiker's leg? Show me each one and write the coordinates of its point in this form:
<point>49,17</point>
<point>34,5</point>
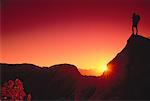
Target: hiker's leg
<point>136,30</point>
<point>132,29</point>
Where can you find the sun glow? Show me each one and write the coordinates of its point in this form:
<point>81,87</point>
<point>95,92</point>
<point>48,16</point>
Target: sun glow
<point>101,69</point>
<point>104,68</point>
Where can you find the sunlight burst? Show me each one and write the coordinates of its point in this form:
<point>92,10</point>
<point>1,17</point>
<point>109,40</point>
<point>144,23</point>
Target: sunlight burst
<point>104,68</point>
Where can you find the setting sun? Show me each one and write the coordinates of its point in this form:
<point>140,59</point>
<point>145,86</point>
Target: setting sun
<point>100,70</point>
<point>104,68</point>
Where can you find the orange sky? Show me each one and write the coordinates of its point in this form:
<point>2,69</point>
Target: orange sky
<point>86,33</point>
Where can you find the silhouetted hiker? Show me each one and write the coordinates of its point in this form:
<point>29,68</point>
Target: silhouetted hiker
<point>135,21</point>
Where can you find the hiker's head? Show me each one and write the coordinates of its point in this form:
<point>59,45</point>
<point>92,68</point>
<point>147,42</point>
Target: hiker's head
<point>134,14</point>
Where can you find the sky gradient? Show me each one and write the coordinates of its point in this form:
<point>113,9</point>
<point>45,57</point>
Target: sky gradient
<point>86,33</point>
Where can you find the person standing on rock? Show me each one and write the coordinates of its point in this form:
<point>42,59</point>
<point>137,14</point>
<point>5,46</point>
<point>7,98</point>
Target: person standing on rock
<point>135,21</point>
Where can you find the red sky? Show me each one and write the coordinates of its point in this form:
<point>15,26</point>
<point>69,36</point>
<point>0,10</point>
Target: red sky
<point>86,33</point>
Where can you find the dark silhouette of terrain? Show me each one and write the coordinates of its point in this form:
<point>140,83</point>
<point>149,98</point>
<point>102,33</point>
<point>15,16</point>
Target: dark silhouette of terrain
<point>129,72</point>
<point>128,77</point>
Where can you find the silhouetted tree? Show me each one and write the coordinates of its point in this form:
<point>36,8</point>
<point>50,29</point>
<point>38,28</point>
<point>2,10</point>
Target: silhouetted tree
<point>13,90</point>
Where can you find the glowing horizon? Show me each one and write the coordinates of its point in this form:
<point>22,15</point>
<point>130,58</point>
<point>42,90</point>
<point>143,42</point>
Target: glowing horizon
<point>87,34</point>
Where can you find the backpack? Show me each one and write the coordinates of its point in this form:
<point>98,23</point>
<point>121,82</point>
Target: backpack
<point>137,17</point>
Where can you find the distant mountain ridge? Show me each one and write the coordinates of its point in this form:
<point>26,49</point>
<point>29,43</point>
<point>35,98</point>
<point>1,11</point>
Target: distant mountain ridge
<point>43,81</point>
<point>127,77</point>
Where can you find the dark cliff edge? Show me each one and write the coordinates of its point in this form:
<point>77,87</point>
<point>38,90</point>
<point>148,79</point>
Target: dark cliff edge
<point>127,78</point>
<point>131,69</point>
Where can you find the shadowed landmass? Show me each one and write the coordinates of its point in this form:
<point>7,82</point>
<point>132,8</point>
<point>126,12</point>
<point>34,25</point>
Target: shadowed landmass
<point>127,78</point>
